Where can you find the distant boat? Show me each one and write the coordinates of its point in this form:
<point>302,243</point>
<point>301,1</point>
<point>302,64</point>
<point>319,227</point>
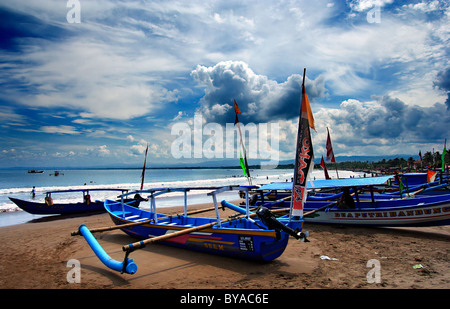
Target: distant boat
<point>35,172</point>
<point>51,208</point>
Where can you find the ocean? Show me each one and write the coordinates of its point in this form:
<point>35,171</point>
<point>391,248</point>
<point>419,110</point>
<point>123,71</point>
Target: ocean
<point>19,184</point>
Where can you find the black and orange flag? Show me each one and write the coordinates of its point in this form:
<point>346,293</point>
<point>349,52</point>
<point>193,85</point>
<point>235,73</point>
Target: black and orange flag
<point>304,155</point>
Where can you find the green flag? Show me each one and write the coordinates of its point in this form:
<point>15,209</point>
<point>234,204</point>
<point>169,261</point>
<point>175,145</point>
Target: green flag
<point>243,165</point>
<point>443,156</point>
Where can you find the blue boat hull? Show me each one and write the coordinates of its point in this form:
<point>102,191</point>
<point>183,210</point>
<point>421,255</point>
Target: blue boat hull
<point>237,238</point>
<point>419,211</point>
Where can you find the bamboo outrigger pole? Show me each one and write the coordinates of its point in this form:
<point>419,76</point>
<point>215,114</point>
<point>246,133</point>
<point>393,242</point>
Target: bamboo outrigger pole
<point>120,226</point>
<point>142,243</point>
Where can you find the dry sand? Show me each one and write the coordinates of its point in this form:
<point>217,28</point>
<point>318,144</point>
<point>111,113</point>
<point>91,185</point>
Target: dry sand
<point>35,255</point>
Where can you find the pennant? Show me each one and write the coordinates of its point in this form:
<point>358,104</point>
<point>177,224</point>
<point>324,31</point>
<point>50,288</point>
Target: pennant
<point>143,168</point>
<point>400,183</point>
<point>443,156</point>
<point>322,164</point>
<point>304,155</point>
<point>244,165</point>
<point>431,176</point>
<point>236,109</point>
<point>330,154</point>
<point>306,109</point>
<point>243,158</point>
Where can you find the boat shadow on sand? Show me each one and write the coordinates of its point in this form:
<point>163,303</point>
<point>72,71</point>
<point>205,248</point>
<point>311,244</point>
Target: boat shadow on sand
<point>51,218</point>
<point>160,259</point>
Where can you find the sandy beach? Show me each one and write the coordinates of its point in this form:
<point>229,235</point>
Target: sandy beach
<point>35,255</point>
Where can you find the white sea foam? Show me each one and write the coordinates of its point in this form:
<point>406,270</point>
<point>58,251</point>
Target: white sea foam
<point>170,199</point>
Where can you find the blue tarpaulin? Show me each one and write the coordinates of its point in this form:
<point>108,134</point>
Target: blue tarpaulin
<point>330,183</point>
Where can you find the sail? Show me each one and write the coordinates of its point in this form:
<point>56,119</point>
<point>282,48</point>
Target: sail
<point>304,155</point>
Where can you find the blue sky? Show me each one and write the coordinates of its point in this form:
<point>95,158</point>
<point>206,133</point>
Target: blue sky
<point>94,93</point>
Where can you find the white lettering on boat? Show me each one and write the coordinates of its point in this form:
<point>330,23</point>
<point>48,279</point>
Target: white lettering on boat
<point>393,214</point>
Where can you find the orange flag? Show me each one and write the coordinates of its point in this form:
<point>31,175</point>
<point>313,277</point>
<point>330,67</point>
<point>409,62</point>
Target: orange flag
<point>306,110</point>
<point>431,176</point>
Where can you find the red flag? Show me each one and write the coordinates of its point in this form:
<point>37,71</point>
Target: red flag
<point>322,163</point>
<point>330,154</point>
<point>236,108</point>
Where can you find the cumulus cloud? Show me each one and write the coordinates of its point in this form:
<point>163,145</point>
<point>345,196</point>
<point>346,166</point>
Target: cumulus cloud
<point>383,122</point>
<point>260,99</point>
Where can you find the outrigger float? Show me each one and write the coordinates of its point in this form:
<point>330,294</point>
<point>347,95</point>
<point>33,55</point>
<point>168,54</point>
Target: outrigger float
<point>263,238</point>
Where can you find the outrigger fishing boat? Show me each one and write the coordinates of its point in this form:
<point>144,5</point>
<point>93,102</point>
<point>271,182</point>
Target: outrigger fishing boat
<point>238,236</point>
<point>264,238</point>
<point>51,208</point>
<point>352,208</point>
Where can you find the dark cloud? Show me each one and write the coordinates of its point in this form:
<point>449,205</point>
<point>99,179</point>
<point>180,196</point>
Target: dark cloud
<point>259,98</point>
<point>443,83</point>
<point>16,28</point>
<point>391,119</point>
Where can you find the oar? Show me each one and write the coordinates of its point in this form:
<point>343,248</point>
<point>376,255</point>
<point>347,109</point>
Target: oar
<point>116,227</point>
<point>142,243</point>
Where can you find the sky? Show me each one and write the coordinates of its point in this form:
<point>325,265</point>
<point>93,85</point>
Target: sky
<point>91,83</point>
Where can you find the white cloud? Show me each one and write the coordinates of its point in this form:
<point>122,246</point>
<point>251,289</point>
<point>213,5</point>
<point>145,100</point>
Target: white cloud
<point>62,129</point>
<point>103,150</point>
<point>424,6</point>
<point>363,5</point>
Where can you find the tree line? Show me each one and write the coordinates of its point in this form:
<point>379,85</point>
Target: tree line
<point>429,160</point>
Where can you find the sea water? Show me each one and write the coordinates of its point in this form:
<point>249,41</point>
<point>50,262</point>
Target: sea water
<point>19,184</point>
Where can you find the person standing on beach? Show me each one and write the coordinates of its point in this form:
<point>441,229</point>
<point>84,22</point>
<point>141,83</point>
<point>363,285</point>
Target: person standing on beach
<point>33,192</point>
